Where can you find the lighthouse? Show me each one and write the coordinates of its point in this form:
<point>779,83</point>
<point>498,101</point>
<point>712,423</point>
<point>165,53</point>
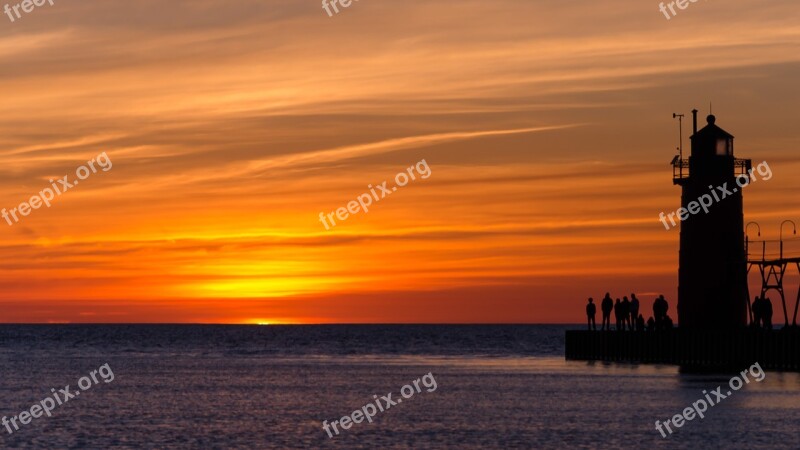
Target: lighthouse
<point>713,305</point>
<point>712,273</point>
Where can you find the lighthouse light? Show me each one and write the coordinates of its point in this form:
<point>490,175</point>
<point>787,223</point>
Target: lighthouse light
<point>723,147</point>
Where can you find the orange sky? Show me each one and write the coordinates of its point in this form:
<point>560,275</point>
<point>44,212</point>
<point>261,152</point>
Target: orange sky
<point>231,125</point>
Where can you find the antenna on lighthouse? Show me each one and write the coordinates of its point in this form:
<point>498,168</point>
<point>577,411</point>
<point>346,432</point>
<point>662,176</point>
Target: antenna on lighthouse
<point>680,133</point>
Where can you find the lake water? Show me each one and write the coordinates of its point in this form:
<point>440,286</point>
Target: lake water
<point>272,387</point>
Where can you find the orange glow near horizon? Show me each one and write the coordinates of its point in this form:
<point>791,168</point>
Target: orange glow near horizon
<point>547,129</point>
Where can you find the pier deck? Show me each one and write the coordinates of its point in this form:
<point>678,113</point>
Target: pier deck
<point>776,350</point>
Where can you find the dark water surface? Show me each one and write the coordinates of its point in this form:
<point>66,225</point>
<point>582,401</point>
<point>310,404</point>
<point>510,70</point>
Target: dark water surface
<point>272,386</point>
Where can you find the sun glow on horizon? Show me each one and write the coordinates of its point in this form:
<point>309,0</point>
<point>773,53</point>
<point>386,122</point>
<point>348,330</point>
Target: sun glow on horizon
<point>261,321</point>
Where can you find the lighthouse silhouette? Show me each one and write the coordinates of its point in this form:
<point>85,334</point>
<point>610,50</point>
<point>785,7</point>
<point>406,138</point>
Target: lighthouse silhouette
<point>712,273</point>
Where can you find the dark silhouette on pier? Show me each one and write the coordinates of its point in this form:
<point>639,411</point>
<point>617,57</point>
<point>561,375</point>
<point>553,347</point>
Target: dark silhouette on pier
<point>625,309</point>
<point>591,309</point>
<point>607,306</point>
<point>757,311</point>
<point>660,308</point>
<point>762,313</point>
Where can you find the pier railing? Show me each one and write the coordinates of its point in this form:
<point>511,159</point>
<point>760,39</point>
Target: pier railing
<point>772,250</point>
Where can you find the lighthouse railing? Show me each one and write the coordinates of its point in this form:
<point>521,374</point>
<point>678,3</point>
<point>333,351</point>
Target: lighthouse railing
<point>680,169</point>
<point>742,166</point>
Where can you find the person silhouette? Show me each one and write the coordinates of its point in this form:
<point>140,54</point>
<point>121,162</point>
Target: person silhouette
<point>660,308</point>
<point>606,306</point>
<point>634,308</point>
<point>640,323</point>
<point>667,322</point>
<point>657,312</point>
<point>591,309</point>
<point>651,324</point>
<point>625,310</point>
<point>767,312</point>
<point>757,312</point>
<point>618,314</point>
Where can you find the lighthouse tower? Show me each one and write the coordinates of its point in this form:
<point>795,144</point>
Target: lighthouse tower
<point>712,274</point>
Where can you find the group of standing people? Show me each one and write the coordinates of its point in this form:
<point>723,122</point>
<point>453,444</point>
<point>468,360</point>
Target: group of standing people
<point>626,313</point>
<point>762,312</point>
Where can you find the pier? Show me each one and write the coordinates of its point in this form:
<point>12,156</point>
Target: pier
<point>774,350</point>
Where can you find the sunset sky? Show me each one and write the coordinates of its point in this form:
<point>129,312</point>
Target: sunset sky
<point>231,125</point>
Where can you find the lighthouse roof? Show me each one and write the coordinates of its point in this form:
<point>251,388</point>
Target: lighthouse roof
<point>712,130</point>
